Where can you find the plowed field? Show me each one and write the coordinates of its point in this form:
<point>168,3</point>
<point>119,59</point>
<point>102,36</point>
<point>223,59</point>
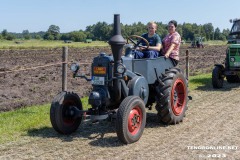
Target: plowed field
<point>39,86</point>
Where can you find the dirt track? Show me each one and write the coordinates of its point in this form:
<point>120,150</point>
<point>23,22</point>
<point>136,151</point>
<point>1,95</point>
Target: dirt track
<point>212,120</point>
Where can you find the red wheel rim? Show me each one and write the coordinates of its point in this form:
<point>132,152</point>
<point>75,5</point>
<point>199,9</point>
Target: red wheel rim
<point>66,114</point>
<point>178,97</point>
<point>135,120</point>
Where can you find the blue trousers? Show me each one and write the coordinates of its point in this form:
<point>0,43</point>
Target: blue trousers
<point>145,54</point>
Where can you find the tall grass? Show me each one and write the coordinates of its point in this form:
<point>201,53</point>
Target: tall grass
<point>200,81</point>
<point>215,42</point>
<point>38,44</point>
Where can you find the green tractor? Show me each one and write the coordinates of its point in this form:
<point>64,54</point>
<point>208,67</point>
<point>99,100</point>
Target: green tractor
<point>197,42</point>
<point>232,62</point>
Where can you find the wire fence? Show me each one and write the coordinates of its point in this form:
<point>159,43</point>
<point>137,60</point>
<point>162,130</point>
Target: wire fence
<point>186,58</point>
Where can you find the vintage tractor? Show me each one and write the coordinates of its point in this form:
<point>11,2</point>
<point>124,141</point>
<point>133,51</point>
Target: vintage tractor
<point>232,61</point>
<point>122,88</point>
<point>197,42</point>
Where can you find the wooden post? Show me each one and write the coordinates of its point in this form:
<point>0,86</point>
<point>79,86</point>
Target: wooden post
<point>187,64</point>
<point>64,68</point>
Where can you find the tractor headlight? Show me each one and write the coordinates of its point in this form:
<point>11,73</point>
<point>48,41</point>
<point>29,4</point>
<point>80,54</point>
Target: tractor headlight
<point>232,59</point>
<point>74,67</point>
<point>121,68</point>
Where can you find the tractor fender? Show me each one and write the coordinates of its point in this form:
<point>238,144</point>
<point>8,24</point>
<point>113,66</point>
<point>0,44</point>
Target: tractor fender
<point>138,86</point>
<point>221,66</point>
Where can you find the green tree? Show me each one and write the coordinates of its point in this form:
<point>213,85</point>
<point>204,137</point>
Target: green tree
<point>162,29</point>
<point>48,36</point>
<point>4,33</point>
<point>65,36</point>
<point>78,36</point>
<point>209,31</point>
<point>54,30</point>
<point>126,30</point>
<point>10,37</point>
<point>51,37</point>
<point>102,31</point>
<point>222,37</point>
<point>26,34</point>
<point>53,33</point>
<point>37,37</point>
<point>138,28</point>
<point>226,32</point>
<point>217,34</point>
<point>180,29</point>
<point>89,35</point>
<point>7,36</point>
<point>187,32</point>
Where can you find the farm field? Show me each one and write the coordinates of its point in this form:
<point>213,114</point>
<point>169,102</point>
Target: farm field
<point>211,120</point>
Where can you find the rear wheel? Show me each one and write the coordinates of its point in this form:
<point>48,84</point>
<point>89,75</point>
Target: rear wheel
<point>63,112</point>
<point>131,119</point>
<point>217,77</point>
<point>172,97</point>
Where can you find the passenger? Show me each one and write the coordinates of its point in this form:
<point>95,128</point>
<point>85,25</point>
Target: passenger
<point>171,43</point>
<point>155,43</point>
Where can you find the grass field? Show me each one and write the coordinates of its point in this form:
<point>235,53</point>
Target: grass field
<point>210,43</point>
<point>215,42</point>
<point>33,44</point>
<point>15,124</point>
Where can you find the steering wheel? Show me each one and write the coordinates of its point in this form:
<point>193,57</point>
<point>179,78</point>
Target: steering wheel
<point>139,40</point>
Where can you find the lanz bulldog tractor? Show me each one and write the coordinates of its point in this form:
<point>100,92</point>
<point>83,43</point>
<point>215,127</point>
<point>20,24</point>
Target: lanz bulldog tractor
<point>122,88</point>
<point>232,61</point>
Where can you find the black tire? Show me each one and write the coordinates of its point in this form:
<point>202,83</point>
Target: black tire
<point>217,77</point>
<point>172,97</point>
<point>131,119</point>
<point>232,79</point>
<point>62,119</point>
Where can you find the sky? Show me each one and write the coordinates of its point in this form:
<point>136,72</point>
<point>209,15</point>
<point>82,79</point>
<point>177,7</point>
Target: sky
<point>73,15</point>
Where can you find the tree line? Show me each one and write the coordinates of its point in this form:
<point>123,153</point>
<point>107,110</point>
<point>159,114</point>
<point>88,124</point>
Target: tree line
<point>102,31</point>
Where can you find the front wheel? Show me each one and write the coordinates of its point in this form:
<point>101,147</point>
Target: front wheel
<point>131,119</point>
<point>63,112</point>
<point>217,77</point>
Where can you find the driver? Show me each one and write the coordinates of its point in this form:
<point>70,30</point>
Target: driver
<point>154,40</point>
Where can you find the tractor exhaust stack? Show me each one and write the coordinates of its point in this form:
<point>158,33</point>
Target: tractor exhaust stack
<point>117,42</point>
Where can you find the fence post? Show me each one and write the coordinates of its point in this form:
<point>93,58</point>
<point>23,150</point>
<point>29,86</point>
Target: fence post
<point>187,64</point>
<point>64,68</point>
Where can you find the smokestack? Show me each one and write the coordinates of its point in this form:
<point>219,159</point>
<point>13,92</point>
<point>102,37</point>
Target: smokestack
<point>117,42</point>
